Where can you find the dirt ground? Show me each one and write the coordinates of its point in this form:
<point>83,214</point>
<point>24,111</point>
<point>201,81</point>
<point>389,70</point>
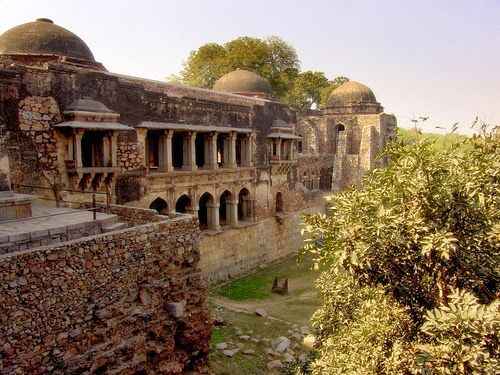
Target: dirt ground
<point>252,335</point>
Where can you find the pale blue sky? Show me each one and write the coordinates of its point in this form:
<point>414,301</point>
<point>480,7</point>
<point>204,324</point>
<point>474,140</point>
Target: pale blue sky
<point>438,58</point>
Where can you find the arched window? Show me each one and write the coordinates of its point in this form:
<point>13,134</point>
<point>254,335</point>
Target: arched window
<point>244,206</point>
<point>160,206</point>
<point>183,204</point>
<point>339,133</point>
<point>224,213</point>
<point>279,202</point>
<point>206,200</point>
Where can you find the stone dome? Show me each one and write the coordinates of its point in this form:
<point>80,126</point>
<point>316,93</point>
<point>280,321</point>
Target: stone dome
<point>351,93</point>
<point>43,37</point>
<point>88,105</point>
<point>244,82</point>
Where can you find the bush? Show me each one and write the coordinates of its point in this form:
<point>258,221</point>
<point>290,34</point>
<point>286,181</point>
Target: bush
<point>399,246</point>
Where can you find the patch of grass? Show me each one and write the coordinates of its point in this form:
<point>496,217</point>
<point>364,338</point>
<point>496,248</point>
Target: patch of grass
<point>258,285</point>
<point>218,336</point>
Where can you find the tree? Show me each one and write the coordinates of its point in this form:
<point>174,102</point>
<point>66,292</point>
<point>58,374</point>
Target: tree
<point>306,90</point>
<point>272,58</point>
<point>332,85</point>
<point>418,230</point>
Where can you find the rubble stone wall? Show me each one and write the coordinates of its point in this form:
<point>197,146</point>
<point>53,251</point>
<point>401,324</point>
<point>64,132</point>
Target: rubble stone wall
<point>126,302</point>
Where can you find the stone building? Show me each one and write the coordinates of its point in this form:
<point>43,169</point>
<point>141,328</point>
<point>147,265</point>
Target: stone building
<point>342,140</point>
<point>229,155</point>
<point>232,162</point>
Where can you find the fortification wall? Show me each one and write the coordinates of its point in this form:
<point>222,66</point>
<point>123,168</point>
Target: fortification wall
<point>126,302</point>
<point>234,252</point>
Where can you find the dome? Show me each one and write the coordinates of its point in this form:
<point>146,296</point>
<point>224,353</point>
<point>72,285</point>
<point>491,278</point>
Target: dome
<point>88,105</point>
<point>351,93</point>
<point>43,37</point>
<point>243,82</point>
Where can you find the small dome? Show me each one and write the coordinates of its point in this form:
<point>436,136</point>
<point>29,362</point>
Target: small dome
<point>43,37</point>
<point>351,93</point>
<point>88,105</point>
<point>243,82</point>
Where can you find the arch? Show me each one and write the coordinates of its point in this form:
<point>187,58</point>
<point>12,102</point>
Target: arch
<point>224,206</point>
<point>339,131</point>
<point>279,202</point>
<point>206,201</point>
<point>340,128</point>
<point>183,204</point>
<point>160,205</point>
<point>244,206</point>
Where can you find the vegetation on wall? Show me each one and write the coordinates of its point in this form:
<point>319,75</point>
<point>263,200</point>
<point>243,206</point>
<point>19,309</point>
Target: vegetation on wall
<point>413,264</point>
<point>272,58</point>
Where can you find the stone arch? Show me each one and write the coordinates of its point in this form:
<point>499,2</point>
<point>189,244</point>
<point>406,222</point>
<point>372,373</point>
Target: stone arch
<point>339,133</point>
<point>160,205</point>
<point>183,204</point>
<point>205,207</point>
<point>244,205</point>
<point>279,202</point>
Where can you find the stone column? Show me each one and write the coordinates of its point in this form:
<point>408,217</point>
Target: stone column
<point>114,149</point>
<point>213,216</point>
<point>167,150</point>
<point>232,213</point>
<point>192,151</point>
<point>106,151</point>
<point>278,148</point>
<point>186,152</point>
<point>232,150</point>
<point>213,151</point>
<point>141,145</point>
<point>78,148</point>
<point>250,149</point>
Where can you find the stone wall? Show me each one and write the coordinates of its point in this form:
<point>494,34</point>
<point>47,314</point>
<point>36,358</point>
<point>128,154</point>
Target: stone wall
<point>127,302</point>
<point>234,252</point>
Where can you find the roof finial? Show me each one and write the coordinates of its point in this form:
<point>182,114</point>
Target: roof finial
<point>47,20</point>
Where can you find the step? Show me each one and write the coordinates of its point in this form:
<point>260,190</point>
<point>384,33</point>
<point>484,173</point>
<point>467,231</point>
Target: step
<point>113,227</point>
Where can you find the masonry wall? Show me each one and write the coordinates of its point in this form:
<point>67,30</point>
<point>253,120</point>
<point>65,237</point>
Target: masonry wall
<point>234,252</point>
<point>127,302</point>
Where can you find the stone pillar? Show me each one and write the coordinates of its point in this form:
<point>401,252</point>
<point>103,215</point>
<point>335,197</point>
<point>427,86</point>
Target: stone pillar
<point>232,150</point>
<point>278,148</point>
<point>114,149</point>
<point>78,148</point>
<point>213,216</point>
<point>232,213</point>
<point>106,150</point>
<point>213,150</point>
<point>192,151</point>
<point>168,150</point>
<point>207,159</point>
<point>185,152</point>
<point>141,145</point>
<point>250,149</point>
<point>226,151</point>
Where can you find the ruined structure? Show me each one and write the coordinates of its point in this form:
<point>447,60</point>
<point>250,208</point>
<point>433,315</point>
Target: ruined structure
<point>232,163</point>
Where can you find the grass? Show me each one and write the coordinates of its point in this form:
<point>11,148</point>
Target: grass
<point>252,292</point>
<point>258,285</point>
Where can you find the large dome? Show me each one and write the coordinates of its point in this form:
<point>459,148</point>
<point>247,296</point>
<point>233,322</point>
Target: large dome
<point>351,93</point>
<point>243,82</point>
<point>43,37</point>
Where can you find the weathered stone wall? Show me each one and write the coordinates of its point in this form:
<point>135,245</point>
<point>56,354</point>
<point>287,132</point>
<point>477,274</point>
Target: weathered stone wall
<point>127,302</point>
<point>234,252</point>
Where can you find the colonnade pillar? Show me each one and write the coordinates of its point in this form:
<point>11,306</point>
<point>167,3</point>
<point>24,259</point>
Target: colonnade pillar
<point>232,150</point>
<point>278,148</point>
<point>78,148</point>
<point>232,212</point>
<point>167,150</point>
<point>213,216</point>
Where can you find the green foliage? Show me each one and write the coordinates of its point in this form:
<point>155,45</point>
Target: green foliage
<point>357,327</point>
<point>253,287</point>
<point>399,246</point>
<point>439,141</point>
<point>272,58</point>
<point>327,90</point>
<point>461,337</point>
<point>306,90</point>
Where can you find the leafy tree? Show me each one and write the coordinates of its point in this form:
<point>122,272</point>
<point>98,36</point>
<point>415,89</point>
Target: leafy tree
<point>332,85</point>
<point>306,90</point>
<point>421,228</point>
<point>272,58</point>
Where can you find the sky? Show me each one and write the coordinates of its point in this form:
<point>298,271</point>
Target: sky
<point>437,58</point>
